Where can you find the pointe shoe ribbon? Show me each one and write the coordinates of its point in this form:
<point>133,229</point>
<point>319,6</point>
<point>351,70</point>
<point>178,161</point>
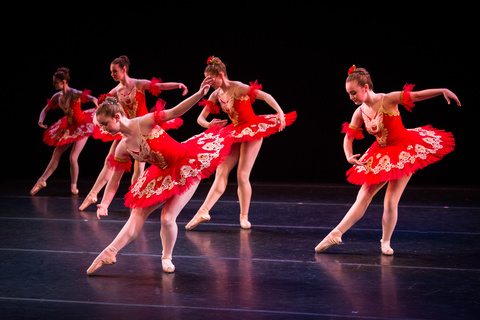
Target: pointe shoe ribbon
<point>201,216</point>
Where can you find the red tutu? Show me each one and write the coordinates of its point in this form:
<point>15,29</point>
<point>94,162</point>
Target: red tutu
<point>246,125</point>
<point>176,166</point>
<point>398,152</point>
<point>70,128</point>
<point>262,127</point>
<point>417,149</point>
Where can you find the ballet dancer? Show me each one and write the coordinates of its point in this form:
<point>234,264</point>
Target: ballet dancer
<point>248,129</point>
<point>73,129</point>
<point>396,154</point>
<point>173,177</point>
<point>130,93</point>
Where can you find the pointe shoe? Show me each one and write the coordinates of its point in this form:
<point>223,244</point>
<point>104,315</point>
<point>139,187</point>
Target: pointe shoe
<point>201,216</point>
<point>333,238</point>
<point>386,249</point>
<point>40,184</point>
<point>91,198</point>
<point>167,265</point>
<point>107,256</point>
<point>74,189</point>
<point>244,223</point>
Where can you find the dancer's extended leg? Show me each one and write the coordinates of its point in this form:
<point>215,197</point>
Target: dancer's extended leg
<point>217,189</point>
<point>51,167</point>
<point>356,212</point>
<point>129,232</point>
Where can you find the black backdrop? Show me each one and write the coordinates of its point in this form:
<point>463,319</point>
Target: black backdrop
<point>299,53</point>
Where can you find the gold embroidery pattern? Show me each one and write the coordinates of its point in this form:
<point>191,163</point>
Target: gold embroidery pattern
<point>375,127</point>
<point>83,129</point>
<point>129,102</point>
<point>254,129</point>
<point>409,156</point>
<point>212,143</point>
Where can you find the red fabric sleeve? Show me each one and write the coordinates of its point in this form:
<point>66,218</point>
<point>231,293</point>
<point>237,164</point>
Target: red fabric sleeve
<point>211,107</point>
<point>252,92</point>
<point>119,164</point>
<point>153,89</point>
<point>352,132</point>
<point>85,94</point>
<point>159,116</point>
<point>51,104</point>
<point>406,97</point>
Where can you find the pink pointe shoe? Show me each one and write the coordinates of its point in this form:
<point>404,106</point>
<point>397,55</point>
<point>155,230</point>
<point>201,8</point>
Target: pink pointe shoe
<point>333,238</point>
<point>244,223</point>
<point>90,199</point>
<point>201,216</point>
<point>74,189</point>
<point>40,184</point>
<point>107,256</point>
<point>385,247</point>
<point>167,265</point>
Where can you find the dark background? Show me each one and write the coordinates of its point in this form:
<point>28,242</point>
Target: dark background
<point>299,52</point>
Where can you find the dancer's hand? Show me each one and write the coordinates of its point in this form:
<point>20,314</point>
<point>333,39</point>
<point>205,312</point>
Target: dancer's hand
<point>102,210</point>
<point>450,95</point>
<point>281,121</point>
<point>184,88</point>
<point>353,160</point>
<point>206,84</point>
<point>41,125</point>
<point>217,122</point>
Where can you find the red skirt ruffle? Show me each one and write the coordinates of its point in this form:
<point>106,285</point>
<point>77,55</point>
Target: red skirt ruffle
<point>265,126</point>
<point>61,132</point>
<point>205,152</point>
<point>419,148</point>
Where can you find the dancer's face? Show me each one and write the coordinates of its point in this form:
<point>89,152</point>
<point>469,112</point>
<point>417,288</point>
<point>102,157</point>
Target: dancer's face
<point>217,79</point>
<point>357,93</point>
<point>118,74</point>
<point>108,123</point>
<point>58,84</point>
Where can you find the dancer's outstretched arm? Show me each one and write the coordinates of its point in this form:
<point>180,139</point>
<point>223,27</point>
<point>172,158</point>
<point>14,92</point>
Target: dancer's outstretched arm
<point>148,120</point>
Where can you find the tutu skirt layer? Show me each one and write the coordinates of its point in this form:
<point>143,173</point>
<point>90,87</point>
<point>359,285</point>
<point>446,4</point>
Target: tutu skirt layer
<point>62,132</point>
<point>205,152</point>
<point>418,148</point>
<point>264,126</point>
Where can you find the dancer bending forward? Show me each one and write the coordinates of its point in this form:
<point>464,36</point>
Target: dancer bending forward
<point>393,158</point>
<point>130,93</point>
<point>176,170</point>
<point>248,130</point>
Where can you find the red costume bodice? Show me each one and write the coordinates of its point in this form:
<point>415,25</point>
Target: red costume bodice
<point>385,126</point>
<point>239,110</point>
<point>158,149</point>
<point>133,103</point>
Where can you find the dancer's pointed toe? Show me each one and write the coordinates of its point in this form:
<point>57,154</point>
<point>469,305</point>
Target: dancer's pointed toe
<point>333,238</point>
